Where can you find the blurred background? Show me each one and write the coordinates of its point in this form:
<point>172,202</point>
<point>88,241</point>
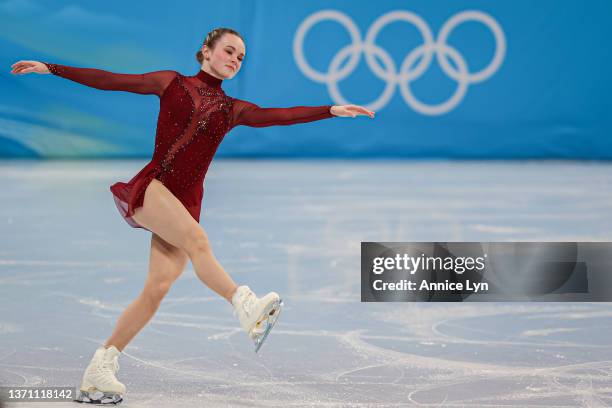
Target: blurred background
<point>448,79</point>
<point>493,124</point>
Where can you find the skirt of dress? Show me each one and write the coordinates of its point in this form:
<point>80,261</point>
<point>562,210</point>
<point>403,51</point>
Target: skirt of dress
<point>130,196</point>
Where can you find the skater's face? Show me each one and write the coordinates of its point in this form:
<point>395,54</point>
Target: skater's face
<point>225,59</point>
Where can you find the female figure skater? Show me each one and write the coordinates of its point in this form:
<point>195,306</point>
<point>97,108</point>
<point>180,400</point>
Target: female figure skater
<point>165,196</point>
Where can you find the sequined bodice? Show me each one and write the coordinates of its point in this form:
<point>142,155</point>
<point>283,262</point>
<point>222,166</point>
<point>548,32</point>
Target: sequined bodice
<point>209,118</point>
<point>194,118</point>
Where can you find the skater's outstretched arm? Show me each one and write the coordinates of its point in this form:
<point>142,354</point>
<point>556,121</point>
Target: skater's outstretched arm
<point>249,114</point>
<point>149,83</point>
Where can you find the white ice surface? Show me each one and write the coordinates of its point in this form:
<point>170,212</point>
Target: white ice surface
<point>69,265</point>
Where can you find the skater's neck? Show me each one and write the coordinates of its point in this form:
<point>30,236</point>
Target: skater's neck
<point>209,79</point>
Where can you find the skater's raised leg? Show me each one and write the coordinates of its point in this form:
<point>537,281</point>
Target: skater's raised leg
<point>166,216</point>
<point>163,214</point>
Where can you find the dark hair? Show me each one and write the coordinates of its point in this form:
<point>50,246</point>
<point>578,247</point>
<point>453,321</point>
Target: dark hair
<point>213,37</point>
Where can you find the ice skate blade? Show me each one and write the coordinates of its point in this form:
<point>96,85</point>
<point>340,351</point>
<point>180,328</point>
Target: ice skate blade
<point>98,397</point>
<point>271,314</point>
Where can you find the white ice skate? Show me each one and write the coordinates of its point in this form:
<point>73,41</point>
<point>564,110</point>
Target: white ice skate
<point>99,385</point>
<point>257,315</point>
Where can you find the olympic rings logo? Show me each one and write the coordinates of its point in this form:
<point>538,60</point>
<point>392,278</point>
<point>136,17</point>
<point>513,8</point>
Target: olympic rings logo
<point>409,71</point>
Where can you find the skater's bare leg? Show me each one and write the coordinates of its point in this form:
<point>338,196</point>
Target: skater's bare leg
<point>163,214</point>
<point>166,263</point>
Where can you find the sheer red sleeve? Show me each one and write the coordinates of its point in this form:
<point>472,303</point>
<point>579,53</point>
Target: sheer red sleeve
<point>149,83</point>
<point>249,114</point>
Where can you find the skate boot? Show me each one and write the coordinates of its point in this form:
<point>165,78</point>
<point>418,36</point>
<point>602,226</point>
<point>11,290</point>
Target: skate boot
<point>257,315</point>
<point>99,385</point>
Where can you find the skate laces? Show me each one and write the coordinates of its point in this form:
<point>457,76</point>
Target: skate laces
<point>248,302</point>
<point>112,365</point>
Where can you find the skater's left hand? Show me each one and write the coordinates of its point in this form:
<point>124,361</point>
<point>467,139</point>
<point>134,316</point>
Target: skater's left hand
<point>350,110</point>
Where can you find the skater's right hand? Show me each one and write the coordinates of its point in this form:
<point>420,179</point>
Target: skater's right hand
<point>26,67</point>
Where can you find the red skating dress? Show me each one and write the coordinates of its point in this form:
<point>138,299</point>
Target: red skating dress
<point>194,116</point>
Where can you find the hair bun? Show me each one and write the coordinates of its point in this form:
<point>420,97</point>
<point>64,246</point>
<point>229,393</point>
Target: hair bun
<point>212,38</point>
